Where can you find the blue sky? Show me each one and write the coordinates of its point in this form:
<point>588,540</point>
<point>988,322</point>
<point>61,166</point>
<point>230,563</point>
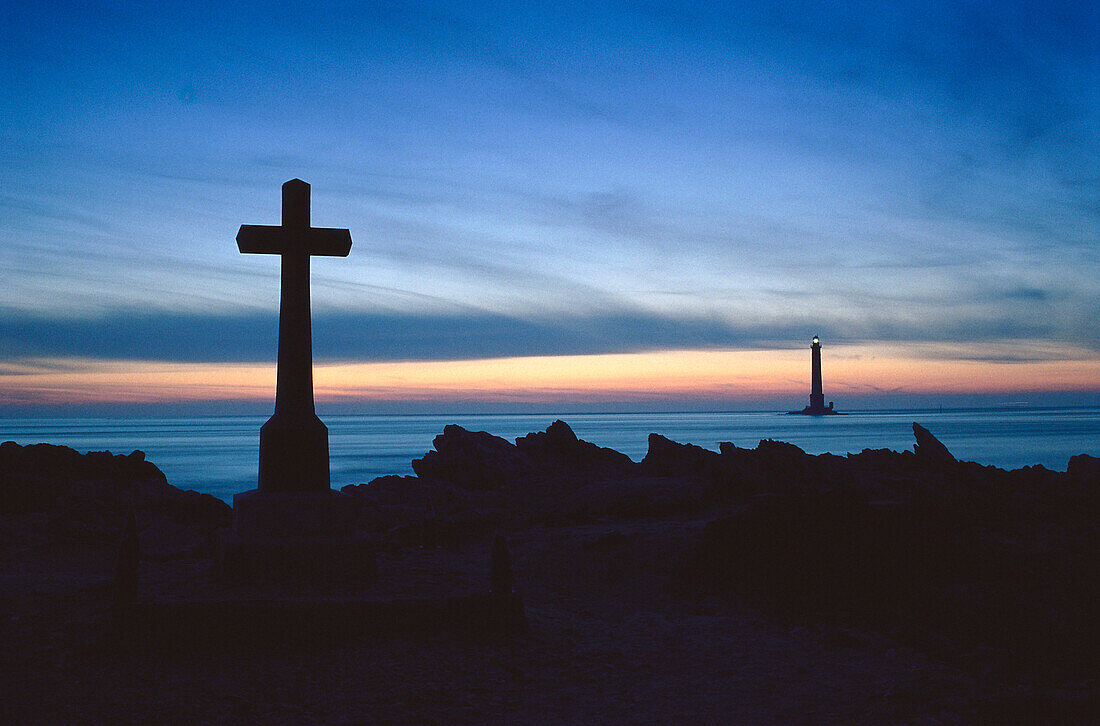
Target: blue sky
<point>548,179</point>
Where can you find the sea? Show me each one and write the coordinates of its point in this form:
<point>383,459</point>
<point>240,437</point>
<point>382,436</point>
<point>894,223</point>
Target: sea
<point>218,454</point>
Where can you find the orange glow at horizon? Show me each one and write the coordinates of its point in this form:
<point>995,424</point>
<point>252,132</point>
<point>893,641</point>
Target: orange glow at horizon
<point>721,375</point>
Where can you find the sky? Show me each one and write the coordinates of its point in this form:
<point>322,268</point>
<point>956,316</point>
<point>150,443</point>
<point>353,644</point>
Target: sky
<point>649,205</point>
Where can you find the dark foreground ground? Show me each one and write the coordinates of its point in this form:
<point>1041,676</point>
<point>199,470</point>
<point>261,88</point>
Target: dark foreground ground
<point>747,586</point>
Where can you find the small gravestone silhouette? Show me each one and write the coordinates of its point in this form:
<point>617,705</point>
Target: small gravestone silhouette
<point>293,523</point>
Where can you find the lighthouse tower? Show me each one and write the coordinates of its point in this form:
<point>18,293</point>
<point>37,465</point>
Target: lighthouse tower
<point>817,398</point>
<point>817,405</point>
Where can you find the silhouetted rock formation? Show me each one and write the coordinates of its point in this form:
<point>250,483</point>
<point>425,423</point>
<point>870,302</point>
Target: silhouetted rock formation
<point>480,479</point>
<point>559,449</point>
<point>1084,469</point>
<point>473,460</point>
<point>929,448</point>
<point>958,555</point>
<point>479,461</point>
<point>86,497</point>
<point>669,458</point>
<point>42,476</point>
<point>474,480</point>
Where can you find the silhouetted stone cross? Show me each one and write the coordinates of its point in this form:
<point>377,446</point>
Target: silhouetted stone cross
<point>294,442</point>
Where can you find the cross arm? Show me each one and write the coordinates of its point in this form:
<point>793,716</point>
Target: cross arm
<point>263,239</point>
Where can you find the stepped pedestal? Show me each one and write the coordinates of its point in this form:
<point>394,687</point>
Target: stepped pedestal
<point>295,537</point>
<point>294,526</point>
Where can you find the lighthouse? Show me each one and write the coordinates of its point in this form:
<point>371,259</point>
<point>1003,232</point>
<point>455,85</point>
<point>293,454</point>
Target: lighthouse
<point>817,398</point>
<point>817,405</point>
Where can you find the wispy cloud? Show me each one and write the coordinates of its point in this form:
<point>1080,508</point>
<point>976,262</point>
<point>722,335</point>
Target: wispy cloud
<point>464,335</point>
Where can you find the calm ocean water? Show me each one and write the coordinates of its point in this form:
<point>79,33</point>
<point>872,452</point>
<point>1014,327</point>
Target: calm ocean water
<point>218,454</point>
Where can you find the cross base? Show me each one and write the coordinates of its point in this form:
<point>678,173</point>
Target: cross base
<point>294,536</point>
<point>294,454</point>
<point>262,516</point>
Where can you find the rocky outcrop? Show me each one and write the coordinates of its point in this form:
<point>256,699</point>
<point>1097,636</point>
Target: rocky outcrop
<point>86,497</point>
<point>1084,469</point>
<point>671,459</point>
<point>956,555</point>
<point>928,448</point>
<point>953,556</point>
<point>479,461</point>
<point>554,474</point>
<point>559,450</point>
<point>40,477</point>
<point>474,480</point>
<point>473,460</point>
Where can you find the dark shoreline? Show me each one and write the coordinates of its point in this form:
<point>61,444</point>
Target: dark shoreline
<point>985,579</point>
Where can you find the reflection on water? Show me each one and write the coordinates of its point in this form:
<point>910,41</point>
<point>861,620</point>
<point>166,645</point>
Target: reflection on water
<point>218,454</point>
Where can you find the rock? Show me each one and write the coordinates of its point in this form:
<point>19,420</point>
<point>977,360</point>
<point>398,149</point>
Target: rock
<point>670,459</point>
<point>929,449</point>
<point>473,460</point>
<point>383,490</point>
<point>481,461</point>
<point>86,497</point>
<point>1084,468</point>
<point>559,449</point>
<point>780,450</point>
<point>785,467</point>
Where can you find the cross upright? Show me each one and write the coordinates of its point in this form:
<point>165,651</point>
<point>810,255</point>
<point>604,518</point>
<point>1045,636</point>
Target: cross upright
<point>294,442</point>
